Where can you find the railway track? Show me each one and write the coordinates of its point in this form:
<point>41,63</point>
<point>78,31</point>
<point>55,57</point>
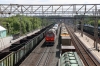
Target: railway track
<point>34,55</point>
<point>86,57</point>
<point>42,55</point>
<point>44,59</point>
<point>46,56</point>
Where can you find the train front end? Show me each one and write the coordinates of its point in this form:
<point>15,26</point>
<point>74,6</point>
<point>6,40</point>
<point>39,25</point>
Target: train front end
<point>50,37</point>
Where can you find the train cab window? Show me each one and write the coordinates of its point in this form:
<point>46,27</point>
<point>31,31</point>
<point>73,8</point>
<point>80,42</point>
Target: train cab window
<point>49,35</point>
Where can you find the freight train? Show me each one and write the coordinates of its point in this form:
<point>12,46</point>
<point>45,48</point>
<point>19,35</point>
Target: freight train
<point>65,36</point>
<point>70,59</point>
<point>51,34</point>
<point>89,29</point>
<point>68,54</point>
<point>13,55</point>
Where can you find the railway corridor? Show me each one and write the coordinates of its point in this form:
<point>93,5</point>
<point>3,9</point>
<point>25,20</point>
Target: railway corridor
<point>89,59</point>
<point>88,43</point>
<point>33,56</point>
<point>44,55</point>
<point>56,52</point>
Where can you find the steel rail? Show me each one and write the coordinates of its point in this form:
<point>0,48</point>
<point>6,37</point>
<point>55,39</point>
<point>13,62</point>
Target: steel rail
<point>72,34</point>
<point>38,63</point>
<point>47,59</point>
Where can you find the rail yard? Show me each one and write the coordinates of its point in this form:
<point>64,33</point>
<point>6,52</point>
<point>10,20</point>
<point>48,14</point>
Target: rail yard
<point>54,45</point>
<point>49,34</point>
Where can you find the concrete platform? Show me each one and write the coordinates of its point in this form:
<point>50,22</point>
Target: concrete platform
<point>7,41</point>
<point>89,43</point>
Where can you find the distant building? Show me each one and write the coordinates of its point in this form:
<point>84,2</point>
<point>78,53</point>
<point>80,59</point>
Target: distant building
<point>2,32</point>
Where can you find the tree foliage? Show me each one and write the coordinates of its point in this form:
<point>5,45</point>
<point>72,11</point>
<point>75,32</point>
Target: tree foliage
<point>22,24</point>
<point>88,19</point>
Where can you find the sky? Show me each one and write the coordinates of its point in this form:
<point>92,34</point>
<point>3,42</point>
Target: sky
<point>49,1</point>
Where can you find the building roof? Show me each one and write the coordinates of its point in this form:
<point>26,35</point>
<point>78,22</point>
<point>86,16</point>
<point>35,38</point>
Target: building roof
<point>2,28</point>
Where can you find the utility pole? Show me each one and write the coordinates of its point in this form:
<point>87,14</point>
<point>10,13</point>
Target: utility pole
<point>7,25</point>
<point>82,23</point>
<point>95,28</point>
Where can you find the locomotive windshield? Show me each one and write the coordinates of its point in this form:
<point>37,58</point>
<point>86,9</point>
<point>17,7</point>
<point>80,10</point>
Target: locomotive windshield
<point>49,35</point>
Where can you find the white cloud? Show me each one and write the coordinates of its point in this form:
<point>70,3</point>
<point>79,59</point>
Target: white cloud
<point>50,1</point>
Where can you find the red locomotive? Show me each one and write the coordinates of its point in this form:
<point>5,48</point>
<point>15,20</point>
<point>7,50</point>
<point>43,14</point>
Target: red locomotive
<point>50,36</point>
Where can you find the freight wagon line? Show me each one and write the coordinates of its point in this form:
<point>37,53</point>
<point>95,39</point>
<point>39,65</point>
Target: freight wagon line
<point>84,53</point>
<point>40,56</point>
<point>35,54</point>
<point>46,55</point>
